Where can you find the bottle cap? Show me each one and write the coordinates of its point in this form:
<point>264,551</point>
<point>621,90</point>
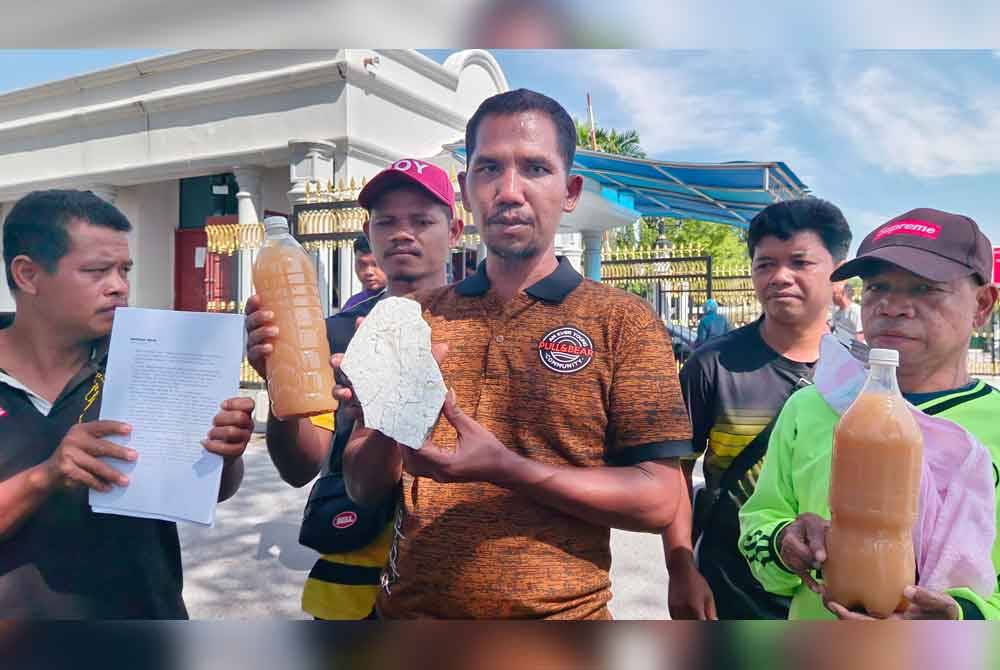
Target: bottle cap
<point>883,357</point>
<point>275,222</point>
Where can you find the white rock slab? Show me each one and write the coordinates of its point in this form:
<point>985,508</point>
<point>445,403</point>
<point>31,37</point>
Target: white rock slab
<point>395,377</point>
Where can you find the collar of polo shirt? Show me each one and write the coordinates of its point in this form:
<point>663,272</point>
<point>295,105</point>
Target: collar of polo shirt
<point>553,288</point>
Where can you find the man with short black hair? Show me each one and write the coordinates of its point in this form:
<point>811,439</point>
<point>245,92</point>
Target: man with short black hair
<point>371,276</point>
<point>565,419</point>
<point>736,384</point>
<point>66,255</point>
<point>412,227</point>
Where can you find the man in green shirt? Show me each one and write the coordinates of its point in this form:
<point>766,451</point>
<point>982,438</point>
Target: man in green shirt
<point>927,286</point>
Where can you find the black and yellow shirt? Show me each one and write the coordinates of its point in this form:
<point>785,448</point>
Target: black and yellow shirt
<point>734,386</point>
<point>344,586</point>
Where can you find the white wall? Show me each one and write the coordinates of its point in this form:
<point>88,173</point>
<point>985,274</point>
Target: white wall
<point>154,210</point>
<point>274,186</point>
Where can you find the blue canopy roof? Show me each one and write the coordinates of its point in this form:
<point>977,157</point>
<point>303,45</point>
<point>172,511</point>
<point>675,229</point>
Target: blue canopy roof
<point>730,193</point>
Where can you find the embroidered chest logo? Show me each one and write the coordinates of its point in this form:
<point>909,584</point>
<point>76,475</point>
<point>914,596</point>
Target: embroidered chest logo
<point>3,412</point>
<point>566,350</point>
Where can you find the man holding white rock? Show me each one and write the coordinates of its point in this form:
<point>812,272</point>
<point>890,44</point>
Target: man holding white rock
<point>564,418</point>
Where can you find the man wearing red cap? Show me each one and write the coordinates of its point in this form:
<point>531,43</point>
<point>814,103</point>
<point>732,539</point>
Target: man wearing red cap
<point>926,277</point>
<point>411,228</point>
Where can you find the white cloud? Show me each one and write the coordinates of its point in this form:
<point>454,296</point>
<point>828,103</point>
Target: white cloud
<point>863,222</point>
<point>681,107</point>
<point>918,122</point>
<point>924,115</point>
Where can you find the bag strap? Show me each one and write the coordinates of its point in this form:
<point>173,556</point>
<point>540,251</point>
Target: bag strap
<point>754,451</point>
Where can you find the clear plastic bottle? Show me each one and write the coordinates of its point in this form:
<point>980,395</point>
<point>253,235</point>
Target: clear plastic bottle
<point>299,377</point>
<point>874,495</point>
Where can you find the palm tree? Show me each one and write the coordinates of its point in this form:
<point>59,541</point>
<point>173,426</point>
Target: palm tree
<point>612,141</point>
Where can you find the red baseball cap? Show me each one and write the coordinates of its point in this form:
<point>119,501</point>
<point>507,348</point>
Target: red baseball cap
<point>929,243</point>
<point>407,171</point>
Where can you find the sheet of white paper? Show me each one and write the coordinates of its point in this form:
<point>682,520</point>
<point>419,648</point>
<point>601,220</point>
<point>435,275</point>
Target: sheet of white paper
<point>167,374</point>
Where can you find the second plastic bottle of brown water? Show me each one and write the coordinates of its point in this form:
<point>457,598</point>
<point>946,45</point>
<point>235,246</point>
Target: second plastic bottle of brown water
<point>874,495</point>
<point>299,377</point>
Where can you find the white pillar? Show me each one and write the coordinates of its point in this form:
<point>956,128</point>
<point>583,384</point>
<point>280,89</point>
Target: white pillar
<point>592,240</point>
<point>248,181</point>
<point>310,161</point>
<point>345,283</point>
<point>684,306</point>
<point>105,192</point>
<point>569,245</point>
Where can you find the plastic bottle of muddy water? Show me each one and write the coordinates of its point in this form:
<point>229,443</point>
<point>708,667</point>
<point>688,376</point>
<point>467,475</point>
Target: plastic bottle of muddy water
<point>299,377</point>
<point>874,493</point>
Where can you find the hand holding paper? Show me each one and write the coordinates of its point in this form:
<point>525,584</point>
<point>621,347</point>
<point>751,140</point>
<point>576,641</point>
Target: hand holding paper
<point>168,373</point>
<point>76,462</point>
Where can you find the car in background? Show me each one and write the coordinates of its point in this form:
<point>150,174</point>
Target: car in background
<point>682,338</point>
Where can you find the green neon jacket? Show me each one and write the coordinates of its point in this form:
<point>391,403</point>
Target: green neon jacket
<point>796,479</point>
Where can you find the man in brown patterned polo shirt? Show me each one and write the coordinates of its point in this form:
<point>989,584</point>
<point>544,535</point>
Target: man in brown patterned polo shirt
<point>566,417</point>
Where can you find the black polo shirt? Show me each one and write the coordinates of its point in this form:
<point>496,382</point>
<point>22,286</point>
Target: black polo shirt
<point>65,561</point>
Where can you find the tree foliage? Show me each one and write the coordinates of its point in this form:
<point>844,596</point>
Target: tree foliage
<point>611,141</point>
<point>725,244</point>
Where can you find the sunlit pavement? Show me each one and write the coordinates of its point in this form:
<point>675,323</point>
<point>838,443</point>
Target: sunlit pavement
<point>251,566</point>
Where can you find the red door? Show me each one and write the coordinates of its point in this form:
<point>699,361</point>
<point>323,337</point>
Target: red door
<point>201,277</point>
<point>190,259</point>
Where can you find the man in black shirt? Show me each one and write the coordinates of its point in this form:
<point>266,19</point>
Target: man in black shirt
<point>736,384</point>
<point>67,260</point>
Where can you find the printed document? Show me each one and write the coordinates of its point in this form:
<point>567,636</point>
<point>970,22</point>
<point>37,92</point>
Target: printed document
<point>168,373</point>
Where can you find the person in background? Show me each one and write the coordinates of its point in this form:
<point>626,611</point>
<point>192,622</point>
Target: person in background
<point>370,275</point>
<point>846,315</point>
<point>712,324</point>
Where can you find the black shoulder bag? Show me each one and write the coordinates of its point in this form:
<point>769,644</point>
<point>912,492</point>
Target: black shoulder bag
<point>333,523</point>
<point>738,595</point>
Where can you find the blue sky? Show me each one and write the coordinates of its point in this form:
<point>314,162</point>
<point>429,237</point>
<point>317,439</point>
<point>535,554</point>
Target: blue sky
<point>876,132</point>
<point>20,68</point>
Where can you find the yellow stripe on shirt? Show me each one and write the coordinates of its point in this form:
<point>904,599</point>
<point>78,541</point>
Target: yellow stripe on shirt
<point>343,602</point>
<point>325,421</point>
